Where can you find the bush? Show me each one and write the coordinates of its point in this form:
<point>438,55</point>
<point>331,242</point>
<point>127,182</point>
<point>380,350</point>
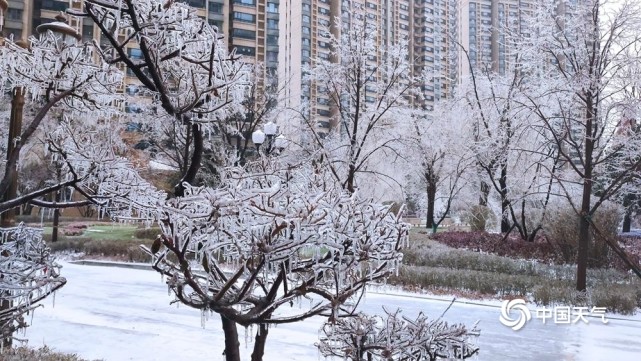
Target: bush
<point>41,354</point>
<point>125,250</point>
<point>562,228</point>
<point>616,298</point>
<point>147,233</point>
<point>479,218</point>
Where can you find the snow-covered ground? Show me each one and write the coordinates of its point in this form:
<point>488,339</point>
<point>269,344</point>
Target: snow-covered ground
<point>124,314</point>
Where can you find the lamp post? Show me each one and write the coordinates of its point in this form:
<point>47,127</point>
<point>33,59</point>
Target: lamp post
<point>69,36</point>
<point>7,219</point>
<point>269,138</point>
<point>4,5</point>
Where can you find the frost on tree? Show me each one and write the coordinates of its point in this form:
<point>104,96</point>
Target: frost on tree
<point>368,85</point>
<point>182,64</point>
<point>60,79</point>
<point>393,337</point>
<point>273,236</point>
<point>28,274</point>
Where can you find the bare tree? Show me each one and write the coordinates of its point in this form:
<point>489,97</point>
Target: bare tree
<point>581,56</point>
<point>369,87</point>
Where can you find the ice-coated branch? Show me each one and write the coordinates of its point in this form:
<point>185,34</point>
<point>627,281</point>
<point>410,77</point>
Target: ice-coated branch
<point>392,337</point>
<point>272,235</point>
<point>183,62</point>
<point>28,274</point>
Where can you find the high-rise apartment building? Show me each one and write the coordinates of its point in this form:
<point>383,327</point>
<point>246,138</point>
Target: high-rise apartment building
<point>284,35</point>
<point>250,26</point>
<point>483,29</point>
<point>303,23</point>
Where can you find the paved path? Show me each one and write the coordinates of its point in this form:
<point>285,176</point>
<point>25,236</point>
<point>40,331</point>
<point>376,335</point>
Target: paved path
<point>124,314</point>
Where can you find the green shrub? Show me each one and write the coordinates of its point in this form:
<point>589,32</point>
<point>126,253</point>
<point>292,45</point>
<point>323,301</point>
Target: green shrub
<point>562,228</point>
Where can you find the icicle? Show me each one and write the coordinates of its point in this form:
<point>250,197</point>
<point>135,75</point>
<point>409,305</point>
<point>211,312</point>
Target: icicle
<point>246,335</point>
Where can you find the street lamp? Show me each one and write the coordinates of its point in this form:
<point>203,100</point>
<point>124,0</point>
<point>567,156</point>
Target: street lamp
<point>260,137</point>
<point>60,26</point>
<point>69,37</point>
<point>4,5</point>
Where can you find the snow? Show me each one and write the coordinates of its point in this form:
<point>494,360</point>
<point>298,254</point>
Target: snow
<point>161,166</point>
<point>124,314</point>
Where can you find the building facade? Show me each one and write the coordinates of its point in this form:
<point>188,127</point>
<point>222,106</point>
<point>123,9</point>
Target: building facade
<point>284,35</point>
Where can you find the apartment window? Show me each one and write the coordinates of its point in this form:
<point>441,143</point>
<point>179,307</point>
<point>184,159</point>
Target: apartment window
<point>272,7</point>
<point>403,7</point>
<point>323,112</point>
<point>307,8</point>
<point>246,50</point>
<point>371,5</point>
<point>217,23</point>
<point>403,17</point>
<point>54,5</point>
<point>323,44</point>
<point>215,8</point>
<point>196,3</point>
<point>243,33</point>
<point>323,22</point>
<point>271,56</point>
<point>134,53</point>
<point>306,42</point>
<point>272,24</point>
<point>306,19</point>
<point>245,2</point>
<point>14,14</point>
<point>323,11</point>
<point>244,17</point>
<point>87,30</point>
<point>272,39</point>
<point>307,30</point>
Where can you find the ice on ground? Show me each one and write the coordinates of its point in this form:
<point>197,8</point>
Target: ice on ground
<point>124,314</point>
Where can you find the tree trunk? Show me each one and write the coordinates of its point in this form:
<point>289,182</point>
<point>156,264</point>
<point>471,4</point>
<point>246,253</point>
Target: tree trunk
<point>56,218</point>
<point>485,193</point>
<point>259,343</point>
<point>232,346</point>
<point>627,218</point>
<point>584,221</point>
<point>195,161</point>
<point>505,204</point>
<point>431,200</point>
<point>5,340</point>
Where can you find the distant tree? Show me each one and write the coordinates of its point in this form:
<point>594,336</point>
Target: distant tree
<point>369,86</point>
<point>584,58</point>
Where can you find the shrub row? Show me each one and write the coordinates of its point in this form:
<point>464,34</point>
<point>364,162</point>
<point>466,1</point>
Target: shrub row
<point>126,250</point>
<point>623,298</point>
<point>41,354</point>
